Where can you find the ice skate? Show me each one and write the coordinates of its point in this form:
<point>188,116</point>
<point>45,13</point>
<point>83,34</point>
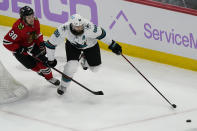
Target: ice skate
<point>61,90</point>
<point>54,81</point>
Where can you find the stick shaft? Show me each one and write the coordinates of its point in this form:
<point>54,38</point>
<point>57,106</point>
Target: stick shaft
<point>146,79</point>
<point>93,92</point>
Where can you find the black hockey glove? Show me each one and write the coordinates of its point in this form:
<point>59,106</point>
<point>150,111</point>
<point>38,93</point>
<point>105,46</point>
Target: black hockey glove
<point>43,48</point>
<point>36,51</point>
<point>52,63</point>
<point>20,50</point>
<point>116,48</point>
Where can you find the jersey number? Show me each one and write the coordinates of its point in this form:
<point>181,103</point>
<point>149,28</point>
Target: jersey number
<point>56,33</point>
<point>95,29</point>
<point>13,35</point>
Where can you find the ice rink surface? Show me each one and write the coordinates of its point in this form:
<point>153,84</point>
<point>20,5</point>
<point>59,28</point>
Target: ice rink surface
<point>129,103</point>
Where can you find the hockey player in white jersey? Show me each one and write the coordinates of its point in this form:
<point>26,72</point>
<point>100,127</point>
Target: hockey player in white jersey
<point>81,42</point>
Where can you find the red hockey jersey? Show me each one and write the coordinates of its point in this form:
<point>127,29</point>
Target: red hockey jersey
<point>23,34</point>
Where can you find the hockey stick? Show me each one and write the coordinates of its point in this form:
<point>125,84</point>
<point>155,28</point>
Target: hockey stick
<point>93,92</point>
<point>173,105</point>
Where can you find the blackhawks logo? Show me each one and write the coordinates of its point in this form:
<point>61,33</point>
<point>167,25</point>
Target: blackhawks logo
<point>32,36</point>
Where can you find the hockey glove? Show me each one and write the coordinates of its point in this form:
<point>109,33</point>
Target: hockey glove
<point>36,51</point>
<point>52,63</point>
<point>116,48</point>
<point>43,48</point>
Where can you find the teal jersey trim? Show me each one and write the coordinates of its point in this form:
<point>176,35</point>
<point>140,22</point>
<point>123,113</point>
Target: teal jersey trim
<point>102,35</point>
<point>49,45</point>
<point>65,79</point>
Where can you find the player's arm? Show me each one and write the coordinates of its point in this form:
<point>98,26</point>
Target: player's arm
<point>56,38</point>
<point>100,34</point>
<point>39,48</point>
<point>12,39</point>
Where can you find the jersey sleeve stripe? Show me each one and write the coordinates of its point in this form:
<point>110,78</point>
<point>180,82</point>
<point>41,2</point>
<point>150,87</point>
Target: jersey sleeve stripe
<point>5,42</point>
<point>102,35</point>
<point>49,45</point>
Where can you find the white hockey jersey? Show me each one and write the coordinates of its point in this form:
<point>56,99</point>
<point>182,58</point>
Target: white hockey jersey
<point>88,39</point>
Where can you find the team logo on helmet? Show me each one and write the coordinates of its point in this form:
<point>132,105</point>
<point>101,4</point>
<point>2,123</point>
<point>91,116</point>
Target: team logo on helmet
<point>77,20</point>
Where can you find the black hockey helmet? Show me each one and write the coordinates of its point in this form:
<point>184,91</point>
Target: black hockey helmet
<point>25,11</point>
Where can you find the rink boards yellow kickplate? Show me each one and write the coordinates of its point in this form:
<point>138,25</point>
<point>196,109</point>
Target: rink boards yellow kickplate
<point>128,49</point>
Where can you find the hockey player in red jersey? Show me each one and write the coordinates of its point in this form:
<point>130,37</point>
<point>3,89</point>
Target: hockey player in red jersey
<point>26,43</point>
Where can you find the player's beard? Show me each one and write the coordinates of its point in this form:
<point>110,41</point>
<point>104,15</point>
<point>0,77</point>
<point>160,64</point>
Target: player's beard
<point>76,32</point>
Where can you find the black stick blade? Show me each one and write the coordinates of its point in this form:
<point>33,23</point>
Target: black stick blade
<point>99,93</point>
<point>174,106</point>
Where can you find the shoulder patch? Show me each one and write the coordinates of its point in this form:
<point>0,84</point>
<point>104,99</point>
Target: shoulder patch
<point>56,33</point>
<point>20,26</point>
<point>95,29</point>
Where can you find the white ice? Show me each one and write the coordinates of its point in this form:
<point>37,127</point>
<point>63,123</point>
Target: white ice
<point>129,103</point>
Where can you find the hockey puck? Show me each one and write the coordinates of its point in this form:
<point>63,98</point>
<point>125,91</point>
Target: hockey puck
<point>188,120</point>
